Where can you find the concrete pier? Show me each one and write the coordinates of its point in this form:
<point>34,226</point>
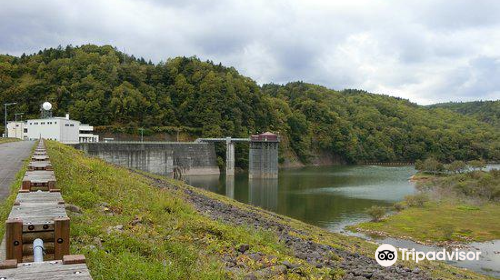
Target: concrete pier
<point>263,156</point>
<point>229,157</point>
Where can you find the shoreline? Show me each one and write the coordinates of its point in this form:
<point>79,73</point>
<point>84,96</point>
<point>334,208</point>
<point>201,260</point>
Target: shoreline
<point>448,244</point>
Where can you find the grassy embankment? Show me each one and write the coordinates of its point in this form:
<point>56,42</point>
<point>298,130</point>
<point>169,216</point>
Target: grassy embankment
<point>129,229</point>
<point>171,241</point>
<point>7,140</point>
<point>460,208</point>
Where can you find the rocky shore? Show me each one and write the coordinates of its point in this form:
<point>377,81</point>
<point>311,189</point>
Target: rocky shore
<point>347,265</point>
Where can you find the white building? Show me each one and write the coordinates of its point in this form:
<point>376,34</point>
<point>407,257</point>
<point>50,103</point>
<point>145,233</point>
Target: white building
<point>16,129</point>
<point>59,129</point>
<point>86,134</point>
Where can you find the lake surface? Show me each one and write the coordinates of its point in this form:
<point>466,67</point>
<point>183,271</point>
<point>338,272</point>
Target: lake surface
<point>330,197</point>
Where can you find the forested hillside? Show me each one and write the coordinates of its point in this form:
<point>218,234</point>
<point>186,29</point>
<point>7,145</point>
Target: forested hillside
<point>104,87</point>
<point>486,111</point>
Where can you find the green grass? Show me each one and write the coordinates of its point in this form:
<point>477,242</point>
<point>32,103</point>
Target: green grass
<point>174,241</point>
<point>7,140</point>
<point>442,221</point>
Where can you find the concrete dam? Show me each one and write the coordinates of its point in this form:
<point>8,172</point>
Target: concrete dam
<point>189,158</point>
<point>165,158</point>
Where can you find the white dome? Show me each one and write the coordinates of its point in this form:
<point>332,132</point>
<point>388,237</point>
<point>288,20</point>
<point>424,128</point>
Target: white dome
<point>47,106</point>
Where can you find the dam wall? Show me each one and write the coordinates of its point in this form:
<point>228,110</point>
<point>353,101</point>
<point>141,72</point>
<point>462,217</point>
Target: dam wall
<point>165,158</point>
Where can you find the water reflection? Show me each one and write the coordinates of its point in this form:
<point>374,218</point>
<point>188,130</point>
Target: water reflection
<point>230,186</point>
<point>206,182</point>
<point>263,193</point>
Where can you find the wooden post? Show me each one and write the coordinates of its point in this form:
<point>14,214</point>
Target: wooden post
<point>74,259</point>
<point>51,185</point>
<point>26,185</point>
<point>14,239</point>
<point>8,264</point>
<point>61,237</point>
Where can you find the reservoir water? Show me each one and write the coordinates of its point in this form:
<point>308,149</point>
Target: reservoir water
<point>329,197</point>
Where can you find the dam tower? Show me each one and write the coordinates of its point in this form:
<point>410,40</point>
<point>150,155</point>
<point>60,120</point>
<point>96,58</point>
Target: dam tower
<point>263,156</point>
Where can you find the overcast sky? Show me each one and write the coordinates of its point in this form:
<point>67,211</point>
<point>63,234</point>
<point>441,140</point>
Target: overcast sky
<point>426,51</point>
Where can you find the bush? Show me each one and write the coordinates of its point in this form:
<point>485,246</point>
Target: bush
<point>416,200</point>
<point>376,212</point>
<point>457,166</point>
<point>399,206</point>
<point>477,164</point>
<point>429,165</point>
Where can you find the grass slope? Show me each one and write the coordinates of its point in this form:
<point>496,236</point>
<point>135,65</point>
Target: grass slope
<point>172,241</point>
<point>164,237</point>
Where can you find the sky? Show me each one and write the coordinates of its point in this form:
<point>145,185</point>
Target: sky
<point>425,51</point>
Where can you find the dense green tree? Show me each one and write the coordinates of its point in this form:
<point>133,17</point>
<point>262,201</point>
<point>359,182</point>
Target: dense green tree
<point>106,88</point>
<point>486,111</point>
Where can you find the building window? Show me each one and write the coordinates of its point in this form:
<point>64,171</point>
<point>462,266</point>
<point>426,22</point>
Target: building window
<point>66,125</point>
<point>35,123</point>
<point>71,125</point>
<point>42,123</point>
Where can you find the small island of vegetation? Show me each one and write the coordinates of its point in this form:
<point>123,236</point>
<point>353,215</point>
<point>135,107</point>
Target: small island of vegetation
<point>456,202</point>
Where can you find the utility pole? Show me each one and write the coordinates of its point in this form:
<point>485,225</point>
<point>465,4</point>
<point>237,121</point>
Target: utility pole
<point>5,117</point>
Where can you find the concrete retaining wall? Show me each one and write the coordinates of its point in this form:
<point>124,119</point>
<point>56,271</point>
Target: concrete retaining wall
<point>159,158</point>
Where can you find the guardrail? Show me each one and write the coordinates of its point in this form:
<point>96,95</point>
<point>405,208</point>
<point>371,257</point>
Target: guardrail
<point>37,231</point>
<point>140,142</point>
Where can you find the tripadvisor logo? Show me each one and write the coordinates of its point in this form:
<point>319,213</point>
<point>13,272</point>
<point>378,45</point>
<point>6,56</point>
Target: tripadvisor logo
<point>387,255</point>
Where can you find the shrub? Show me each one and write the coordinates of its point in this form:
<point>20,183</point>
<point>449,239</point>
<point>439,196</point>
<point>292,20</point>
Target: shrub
<point>457,166</point>
<point>399,206</point>
<point>419,165</point>
<point>477,164</point>
<point>376,212</point>
<point>416,200</point>
<point>430,165</point>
